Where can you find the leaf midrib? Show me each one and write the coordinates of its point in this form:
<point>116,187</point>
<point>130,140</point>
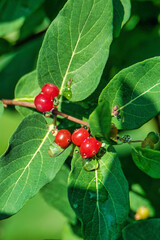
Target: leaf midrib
<point>148,90</point>
<point>73,53</point>
<point>38,149</point>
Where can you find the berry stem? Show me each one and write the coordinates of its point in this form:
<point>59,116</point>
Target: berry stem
<point>132,141</point>
<point>55,119</point>
<point>54,111</point>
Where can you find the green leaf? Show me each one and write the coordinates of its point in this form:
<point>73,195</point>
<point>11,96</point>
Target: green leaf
<point>100,197</point>
<point>13,66</point>
<point>142,230</point>
<point>122,11</point>
<point>1,108</point>
<point>127,10</point>
<point>135,90</point>
<point>13,14</point>
<point>55,193</point>
<point>26,166</point>
<point>27,89</point>
<point>148,160</point>
<point>100,120</point>
<point>86,27</point>
<point>117,17</point>
<point>34,23</point>
<point>5,46</point>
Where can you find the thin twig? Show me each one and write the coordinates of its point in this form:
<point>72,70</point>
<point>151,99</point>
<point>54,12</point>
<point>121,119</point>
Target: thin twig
<point>73,119</point>
<point>18,103</point>
<point>54,111</point>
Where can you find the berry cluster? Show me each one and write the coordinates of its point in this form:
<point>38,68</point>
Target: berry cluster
<point>44,100</point>
<point>89,146</point>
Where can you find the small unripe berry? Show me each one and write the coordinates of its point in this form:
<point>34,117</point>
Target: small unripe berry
<point>142,213</point>
<point>67,93</point>
<point>153,136</point>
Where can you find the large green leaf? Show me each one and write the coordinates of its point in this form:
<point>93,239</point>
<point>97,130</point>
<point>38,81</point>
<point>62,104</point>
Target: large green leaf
<point>13,14</point>
<point>100,120</point>
<point>100,197</point>
<point>56,193</point>
<point>27,89</point>
<point>26,166</point>
<point>135,90</point>
<point>148,160</point>
<point>76,46</point>
<point>142,230</point>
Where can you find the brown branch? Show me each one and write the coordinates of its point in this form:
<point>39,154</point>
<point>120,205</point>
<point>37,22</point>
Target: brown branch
<point>19,103</point>
<point>54,111</point>
<point>73,119</point>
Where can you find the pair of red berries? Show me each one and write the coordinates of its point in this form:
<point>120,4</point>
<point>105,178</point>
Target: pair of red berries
<point>88,146</point>
<point>44,100</point>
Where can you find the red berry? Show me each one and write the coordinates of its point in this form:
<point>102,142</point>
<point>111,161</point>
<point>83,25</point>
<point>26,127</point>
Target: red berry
<point>89,147</point>
<point>43,103</point>
<point>63,138</point>
<point>79,136</point>
<point>50,90</point>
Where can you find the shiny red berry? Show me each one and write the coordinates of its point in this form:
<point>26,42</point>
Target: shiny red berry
<point>89,147</point>
<point>43,103</point>
<point>63,138</point>
<point>79,136</point>
<point>50,90</point>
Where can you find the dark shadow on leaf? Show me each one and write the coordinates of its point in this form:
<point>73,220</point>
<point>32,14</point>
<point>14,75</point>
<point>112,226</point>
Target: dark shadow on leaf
<point>93,194</point>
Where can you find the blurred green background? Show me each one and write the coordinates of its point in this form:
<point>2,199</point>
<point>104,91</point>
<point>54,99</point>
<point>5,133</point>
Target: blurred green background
<point>22,28</point>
